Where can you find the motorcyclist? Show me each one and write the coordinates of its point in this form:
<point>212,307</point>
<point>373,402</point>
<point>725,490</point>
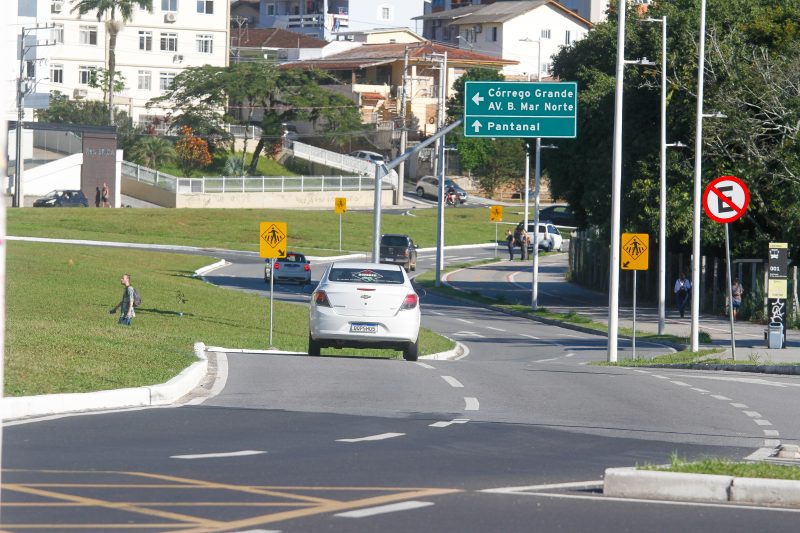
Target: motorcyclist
<point>451,196</point>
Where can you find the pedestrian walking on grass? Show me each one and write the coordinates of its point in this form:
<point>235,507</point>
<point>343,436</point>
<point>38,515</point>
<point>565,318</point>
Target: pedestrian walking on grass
<point>125,306</point>
<point>683,288</point>
<point>510,244</point>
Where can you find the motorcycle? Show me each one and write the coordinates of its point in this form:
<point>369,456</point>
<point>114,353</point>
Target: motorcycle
<point>451,199</point>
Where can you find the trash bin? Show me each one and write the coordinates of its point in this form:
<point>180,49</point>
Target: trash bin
<point>775,336</point>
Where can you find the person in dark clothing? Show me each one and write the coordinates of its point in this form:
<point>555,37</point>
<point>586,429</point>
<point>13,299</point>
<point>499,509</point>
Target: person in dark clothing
<point>510,244</point>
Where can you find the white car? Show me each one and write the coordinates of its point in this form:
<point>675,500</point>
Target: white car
<point>549,239</point>
<point>364,305</point>
<point>374,157</point>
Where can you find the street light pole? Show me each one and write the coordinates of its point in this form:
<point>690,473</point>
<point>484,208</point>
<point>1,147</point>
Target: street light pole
<point>698,171</point>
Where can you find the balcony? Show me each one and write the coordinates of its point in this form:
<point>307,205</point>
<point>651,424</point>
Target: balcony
<point>310,24</point>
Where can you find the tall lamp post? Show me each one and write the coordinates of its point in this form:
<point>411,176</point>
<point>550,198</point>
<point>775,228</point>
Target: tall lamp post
<point>537,196</point>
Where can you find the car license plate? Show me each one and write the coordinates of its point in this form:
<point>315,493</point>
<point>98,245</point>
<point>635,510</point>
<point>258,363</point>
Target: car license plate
<point>357,327</point>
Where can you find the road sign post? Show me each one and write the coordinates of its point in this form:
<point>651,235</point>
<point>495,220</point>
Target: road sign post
<point>340,206</point>
<point>635,254</point>
<point>273,240</point>
<point>777,292</point>
<point>725,200</point>
<point>520,109</point>
<point>496,216</point>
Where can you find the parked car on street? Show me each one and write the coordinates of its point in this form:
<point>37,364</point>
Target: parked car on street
<point>374,157</point>
<point>364,305</point>
<point>399,250</point>
<point>429,186</point>
<point>549,237</point>
<point>294,267</point>
<point>560,215</point>
<point>62,198</point>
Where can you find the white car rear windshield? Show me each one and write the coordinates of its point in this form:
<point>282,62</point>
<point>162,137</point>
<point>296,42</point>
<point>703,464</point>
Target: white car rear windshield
<point>366,275</point>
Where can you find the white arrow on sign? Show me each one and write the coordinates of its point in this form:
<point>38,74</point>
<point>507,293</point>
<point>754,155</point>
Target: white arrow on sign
<point>478,98</point>
<point>477,126</point>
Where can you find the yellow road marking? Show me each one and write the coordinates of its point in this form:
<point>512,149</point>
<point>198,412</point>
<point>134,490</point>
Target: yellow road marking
<point>328,508</point>
<point>163,504</point>
<point>122,506</point>
<point>58,527</point>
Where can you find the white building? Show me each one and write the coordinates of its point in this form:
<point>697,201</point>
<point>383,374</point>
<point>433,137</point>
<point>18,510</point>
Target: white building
<point>151,49</point>
<point>529,32</point>
<point>325,18</point>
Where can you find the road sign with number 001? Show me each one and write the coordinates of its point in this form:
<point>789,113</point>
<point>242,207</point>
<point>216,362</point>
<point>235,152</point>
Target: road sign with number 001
<point>635,252</point>
<point>273,240</point>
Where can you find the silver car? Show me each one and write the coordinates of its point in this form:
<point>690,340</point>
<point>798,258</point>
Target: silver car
<point>294,267</point>
<point>429,186</point>
<point>364,305</point>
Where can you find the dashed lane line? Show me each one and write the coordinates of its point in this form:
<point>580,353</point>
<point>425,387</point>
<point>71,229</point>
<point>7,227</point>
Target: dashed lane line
<point>453,382</point>
<point>534,337</point>
<point>495,329</point>
<point>771,433</point>
<point>426,365</point>
<point>762,422</point>
<point>752,414</point>
<point>703,391</point>
<point>471,404</point>
<point>722,398</point>
<point>739,405</point>
<point>680,383</point>
<point>444,424</point>
<point>465,321</point>
<point>383,509</point>
<point>241,453</point>
<point>382,436</point>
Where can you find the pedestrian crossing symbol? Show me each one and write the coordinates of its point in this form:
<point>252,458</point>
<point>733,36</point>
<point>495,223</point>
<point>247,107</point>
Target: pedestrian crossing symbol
<point>635,254</point>
<point>340,206</point>
<point>496,213</point>
<point>273,241</point>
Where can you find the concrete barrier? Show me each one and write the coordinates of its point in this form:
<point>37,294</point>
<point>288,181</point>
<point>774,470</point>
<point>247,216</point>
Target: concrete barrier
<point>654,485</point>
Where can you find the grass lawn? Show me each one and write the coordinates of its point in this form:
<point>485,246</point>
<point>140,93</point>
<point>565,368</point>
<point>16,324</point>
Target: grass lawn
<point>725,467</point>
<point>61,338</point>
<point>266,167</point>
<point>311,232</point>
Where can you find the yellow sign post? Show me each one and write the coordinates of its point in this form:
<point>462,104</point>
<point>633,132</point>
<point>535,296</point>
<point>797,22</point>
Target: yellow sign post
<point>340,206</point>
<point>273,240</point>
<point>635,254</point>
<point>496,216</point>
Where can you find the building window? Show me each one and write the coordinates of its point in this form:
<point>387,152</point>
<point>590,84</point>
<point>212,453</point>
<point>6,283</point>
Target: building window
<point>169,42</point>
<point>166,80</point>
<point>169,5</point>
<point>492,35</point>
<point>88,35</point>
<point>144,80</point>
<point>56,6</point>
<point>205,6</point>
<point>546,68</point>
<point>57,33</point>
<point>545,34</point>
<point>86,74</point>
<point>385,12</point>
<point>205,43</point>
<point>56,73</point>
<point>270,10</point>
<point>145,40</point>
<point>568,37</point>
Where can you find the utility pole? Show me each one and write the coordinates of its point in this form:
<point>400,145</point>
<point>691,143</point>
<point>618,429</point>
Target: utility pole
<point>24,87</point>
<point>441,171</point>
<point>401,170</point>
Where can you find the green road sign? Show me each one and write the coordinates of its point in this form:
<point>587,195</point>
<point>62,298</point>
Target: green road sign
<point>520,109</point>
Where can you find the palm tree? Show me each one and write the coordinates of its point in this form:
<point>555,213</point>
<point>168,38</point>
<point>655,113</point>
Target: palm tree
<point>109,9</point>
<point>153,152</point>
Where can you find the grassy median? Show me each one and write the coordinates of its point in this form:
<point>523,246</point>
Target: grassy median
<point>725,467</point>
<point>61,338</point>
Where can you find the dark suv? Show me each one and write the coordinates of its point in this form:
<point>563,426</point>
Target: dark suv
<point>62,199</point>
<point>399,250</point>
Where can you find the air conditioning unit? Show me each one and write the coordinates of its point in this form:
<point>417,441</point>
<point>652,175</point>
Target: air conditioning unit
<point>177,58</point>
<point>79,93</point>
<point>56,7</point>
<point>478,28</point>
<point>170,17</point>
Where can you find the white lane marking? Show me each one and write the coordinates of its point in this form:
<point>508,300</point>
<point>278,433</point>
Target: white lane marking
<point>465,321</point>
<point>453,382</point>
<point>723,398</point>
<point>437,313</point>
<point>468,334</point>
<point>752,414</point>
<point>568,335</point>
<point>545,360</point>
<point>383,509</point>
<point>762,422</point>
<point>583,363</point>
<point>570,355</point>
<point>471,404</point>
<point>660,377</point>
<point>772,443</point>
<point>382,436</point>
<point>641,371</point>
<point>426,365</point>
<point>760,454</point>
<point>681,383</point>
<point>495,329</point>
<point>700,390</point>
<point>529,336</point>
<point>753,381</point>
<point>218,455</point>
<point>450,423</point>
<point>771,433</point>
<point>572,485</point>
<point>739,405</point>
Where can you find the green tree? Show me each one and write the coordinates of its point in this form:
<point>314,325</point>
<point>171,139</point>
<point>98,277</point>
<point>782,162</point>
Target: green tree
<point>109,10</point>
<point>152,151</point>
<point>192,152</point>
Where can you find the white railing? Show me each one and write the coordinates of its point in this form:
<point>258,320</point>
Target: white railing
<point>148,175</point>
<point>337,160</point>
<point>230,184</point>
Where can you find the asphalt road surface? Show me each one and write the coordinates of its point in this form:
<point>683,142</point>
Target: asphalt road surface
<point>515,436</point>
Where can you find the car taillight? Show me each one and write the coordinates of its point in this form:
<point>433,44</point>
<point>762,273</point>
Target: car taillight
<point>307,268</point>
<point>277,266</point>
<point>410,301</point>
<point>321,299</point>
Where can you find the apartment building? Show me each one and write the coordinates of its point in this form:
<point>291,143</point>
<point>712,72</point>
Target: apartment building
<point>152,48</point>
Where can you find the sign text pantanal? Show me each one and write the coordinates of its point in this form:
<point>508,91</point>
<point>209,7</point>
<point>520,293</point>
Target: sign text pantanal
<point>520,109</point>
<point>273,239</point>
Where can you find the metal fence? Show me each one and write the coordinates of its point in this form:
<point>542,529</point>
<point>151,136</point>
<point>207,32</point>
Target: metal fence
<point>148,175</point>
<point>228,184</point>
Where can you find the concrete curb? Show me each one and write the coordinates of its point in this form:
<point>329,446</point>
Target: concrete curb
<point>459,351</point>
<point>15,408</point>
<point>653,485</point>
<point>755,369</point>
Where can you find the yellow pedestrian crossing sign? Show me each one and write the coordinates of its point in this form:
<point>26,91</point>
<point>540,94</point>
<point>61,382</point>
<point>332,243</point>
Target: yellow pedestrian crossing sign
<point>635,253</point>
<point>273,240</point>
<point>496,213</point>
<point>340,206</point>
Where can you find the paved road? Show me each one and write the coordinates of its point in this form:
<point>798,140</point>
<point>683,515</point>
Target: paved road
<point>513,437</point>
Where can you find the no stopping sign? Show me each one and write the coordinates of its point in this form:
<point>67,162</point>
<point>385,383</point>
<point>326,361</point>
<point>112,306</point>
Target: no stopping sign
<point>726,199</point>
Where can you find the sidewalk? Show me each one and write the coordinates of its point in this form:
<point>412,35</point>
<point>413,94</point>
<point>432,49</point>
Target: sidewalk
<point>510,281</point>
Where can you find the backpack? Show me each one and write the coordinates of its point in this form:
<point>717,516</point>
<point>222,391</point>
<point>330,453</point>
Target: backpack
<point>137,298</point>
